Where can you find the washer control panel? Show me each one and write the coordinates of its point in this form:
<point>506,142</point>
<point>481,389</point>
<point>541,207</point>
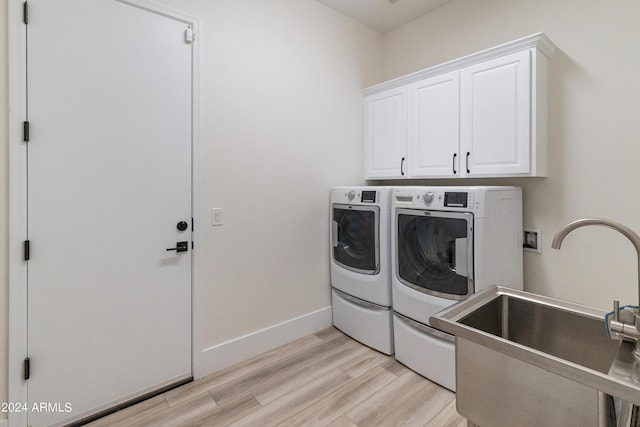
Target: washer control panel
<point>474,199</point>
<point>439,198</point>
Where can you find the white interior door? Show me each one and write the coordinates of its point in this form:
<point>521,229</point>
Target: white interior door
<point>109,179</point>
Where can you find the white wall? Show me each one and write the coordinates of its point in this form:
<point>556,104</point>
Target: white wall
<point>282,112</point>
<point>594,128</point>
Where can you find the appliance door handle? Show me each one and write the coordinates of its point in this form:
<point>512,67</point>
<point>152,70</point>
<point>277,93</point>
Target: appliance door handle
<point>425,329</point>
<point>461,266</point>
<point>334,234</point>
<point>359,302</point>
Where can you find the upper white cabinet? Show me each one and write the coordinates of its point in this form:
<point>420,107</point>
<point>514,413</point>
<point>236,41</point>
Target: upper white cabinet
<point>386,134</point>
<point>495,115</point>
<point>434,126</point>
<point>484,115</point>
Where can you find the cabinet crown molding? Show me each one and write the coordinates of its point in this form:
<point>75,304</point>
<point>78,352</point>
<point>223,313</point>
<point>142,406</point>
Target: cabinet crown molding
<point>538,40</point>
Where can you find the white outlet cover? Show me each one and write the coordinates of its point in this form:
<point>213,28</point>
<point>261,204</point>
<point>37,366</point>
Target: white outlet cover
<point>532,240</point>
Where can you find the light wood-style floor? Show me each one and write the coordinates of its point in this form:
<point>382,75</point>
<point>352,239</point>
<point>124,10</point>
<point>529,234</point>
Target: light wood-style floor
<point>322,379</point>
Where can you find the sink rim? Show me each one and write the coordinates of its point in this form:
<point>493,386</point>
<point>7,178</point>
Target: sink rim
<point>618,386</point>
<point>463,308</point>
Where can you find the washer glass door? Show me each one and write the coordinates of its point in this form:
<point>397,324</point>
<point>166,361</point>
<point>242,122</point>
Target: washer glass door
<point>435,252</point>
<point>355,237</point>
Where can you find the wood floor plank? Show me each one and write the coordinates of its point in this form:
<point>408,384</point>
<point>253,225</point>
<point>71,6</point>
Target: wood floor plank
<point>343,421</point>
<point>373,410</point>
<point>289,381</point>
<point>420,408</point>
<point>334,405</point>
<point>364,363</point>
<point>150,406</point>
<point>202,386</point>
<point>396,367</point>
<point>224,415</point>
<point>173,416</point>
<point>448,417</point>
<point>277,372</point>
<point>328,333</point>
<point>296,401</point>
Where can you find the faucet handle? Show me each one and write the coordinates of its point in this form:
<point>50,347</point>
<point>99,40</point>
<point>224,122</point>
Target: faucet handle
<point>616,310</point>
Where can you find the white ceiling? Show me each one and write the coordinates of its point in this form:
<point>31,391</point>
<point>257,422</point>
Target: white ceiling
<point>384,15</point>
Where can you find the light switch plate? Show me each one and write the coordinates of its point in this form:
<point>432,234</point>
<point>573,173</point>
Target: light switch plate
<point>216,217</point>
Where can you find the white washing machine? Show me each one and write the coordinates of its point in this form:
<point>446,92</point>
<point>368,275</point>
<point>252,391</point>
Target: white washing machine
<point>447,243</point>
<point>361,264</point>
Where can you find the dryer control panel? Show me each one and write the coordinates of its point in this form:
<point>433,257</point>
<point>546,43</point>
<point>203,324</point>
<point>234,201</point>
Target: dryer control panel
<point>455,199</point>
<point>368,197</point>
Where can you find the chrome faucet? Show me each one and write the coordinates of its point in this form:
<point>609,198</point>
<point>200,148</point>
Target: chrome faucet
<point>620,328</point>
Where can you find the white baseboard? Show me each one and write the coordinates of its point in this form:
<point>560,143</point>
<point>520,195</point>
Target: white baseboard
<point>229,353</point>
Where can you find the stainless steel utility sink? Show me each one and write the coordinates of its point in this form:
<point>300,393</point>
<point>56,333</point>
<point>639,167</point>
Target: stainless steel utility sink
<point>528,360</point>
<point>568,335</point>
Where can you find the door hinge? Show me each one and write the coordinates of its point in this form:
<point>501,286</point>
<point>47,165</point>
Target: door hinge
<point>189,36</point>
<point>192,245</point>
<point>25,131</point>
<point>26,250</point>
<point>27,368</point>
<point>25,13</point>
<point>192,225</point>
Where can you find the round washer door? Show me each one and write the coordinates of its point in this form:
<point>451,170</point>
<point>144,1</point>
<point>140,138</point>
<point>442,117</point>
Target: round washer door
<point>355,238</point>
<point>428,252</point>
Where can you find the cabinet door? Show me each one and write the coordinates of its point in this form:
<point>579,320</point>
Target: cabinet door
<point>386,134</point>
<point>434,127</point>
<point>495,122</point>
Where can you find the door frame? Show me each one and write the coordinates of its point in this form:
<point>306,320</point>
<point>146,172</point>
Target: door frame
<point>18,328</point>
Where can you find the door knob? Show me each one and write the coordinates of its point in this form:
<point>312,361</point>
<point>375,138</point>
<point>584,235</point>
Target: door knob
<point>180,247</point>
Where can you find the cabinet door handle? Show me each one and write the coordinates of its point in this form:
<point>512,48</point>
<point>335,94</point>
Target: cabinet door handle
<point>454,163</point>
<point>468,154</point>
<point>402,167</point>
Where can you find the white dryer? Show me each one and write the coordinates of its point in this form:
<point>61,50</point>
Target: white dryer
<point>361,264</point>
<point>447,243</point>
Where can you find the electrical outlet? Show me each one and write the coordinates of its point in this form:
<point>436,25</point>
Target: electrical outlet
<point>532,241</point>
